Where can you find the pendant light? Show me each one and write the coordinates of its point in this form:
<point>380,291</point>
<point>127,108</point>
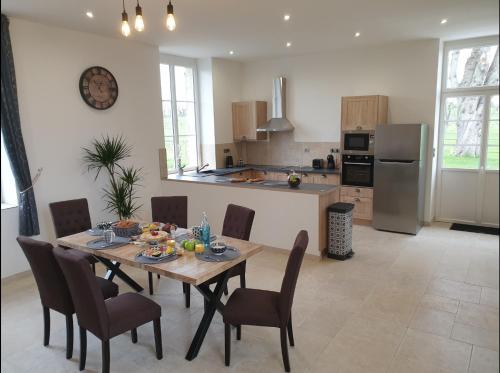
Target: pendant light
<point>170,17</point>
<point>125,25</point>
<point>139,22</point>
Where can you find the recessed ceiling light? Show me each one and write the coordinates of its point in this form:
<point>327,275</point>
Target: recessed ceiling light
<point>286,17</point>
<point>357,34</point>
<point>288,44</point>
<point>231,52</point>
<point>89,14</point>
<point>443,21</point>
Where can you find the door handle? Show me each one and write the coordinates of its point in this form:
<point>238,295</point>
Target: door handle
<point>357,199</point>
<point>358,163</point>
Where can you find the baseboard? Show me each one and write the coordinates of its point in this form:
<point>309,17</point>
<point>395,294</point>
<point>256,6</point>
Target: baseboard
<point>16,277</point>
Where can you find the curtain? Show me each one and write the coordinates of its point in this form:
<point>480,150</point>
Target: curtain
<point>13,139</point>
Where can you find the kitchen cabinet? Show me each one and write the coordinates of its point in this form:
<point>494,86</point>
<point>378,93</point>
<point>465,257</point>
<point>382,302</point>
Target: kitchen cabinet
<point>329,179</point>
<point>307,178</point>
<point>260,174</point>
<point>246,174</point>
<point>363,112</point>
<point>361,198</point>
<point>247,117</point>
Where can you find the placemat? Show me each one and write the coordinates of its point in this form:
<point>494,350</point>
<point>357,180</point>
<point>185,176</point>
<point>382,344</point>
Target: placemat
<point>95,232</point>
<point>100,243</point>
<point>230,254</point>
<point>185,236</point>
<point>144,260</point>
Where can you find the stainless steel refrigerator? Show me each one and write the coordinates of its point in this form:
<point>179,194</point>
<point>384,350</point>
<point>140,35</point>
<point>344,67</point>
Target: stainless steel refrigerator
<point>399,177</point>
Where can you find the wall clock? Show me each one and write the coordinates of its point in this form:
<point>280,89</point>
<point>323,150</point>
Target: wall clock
<point>98,88</point>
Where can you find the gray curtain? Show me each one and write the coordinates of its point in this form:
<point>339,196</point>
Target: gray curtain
<point>13,139</point>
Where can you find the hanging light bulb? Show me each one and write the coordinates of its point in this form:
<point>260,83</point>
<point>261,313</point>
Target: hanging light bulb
<point>125,25</point>
<point>170,17</point>
<point>139,22</point>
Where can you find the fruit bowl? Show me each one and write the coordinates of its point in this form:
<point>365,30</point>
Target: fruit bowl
<point>218,247</point>
<point>125,228</point>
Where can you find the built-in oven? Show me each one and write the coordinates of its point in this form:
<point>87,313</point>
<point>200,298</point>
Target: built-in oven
<point>358,142</point>
<point>357,170</point>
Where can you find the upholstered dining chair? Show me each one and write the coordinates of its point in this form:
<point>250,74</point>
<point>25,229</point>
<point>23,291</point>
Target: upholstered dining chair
<point>105,319</point>
<point>52,286</point>
<point>170,209</point>
<point>237,224</point>
<point>264,307</point>
<point>71,217</point>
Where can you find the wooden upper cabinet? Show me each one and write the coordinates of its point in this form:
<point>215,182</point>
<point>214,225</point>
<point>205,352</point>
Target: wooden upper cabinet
<point>363,112</point>
<point>247,117</point>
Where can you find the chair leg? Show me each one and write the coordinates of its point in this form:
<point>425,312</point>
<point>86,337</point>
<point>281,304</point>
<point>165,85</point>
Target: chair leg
<point>284,349</point>
<point>186,288</point>
<point>93,268</point>
<point>46,326</point>
<point>150,282</point>
<point>243,281</point>
<point>158,344</point>
<point>69,336</point>
<point>105,357</point>
<point>83,348</point>
<point>290,332</point>
<point>227,344</point>
<point>134,335</point>
<point>238,332</point>
<point>226,292</point>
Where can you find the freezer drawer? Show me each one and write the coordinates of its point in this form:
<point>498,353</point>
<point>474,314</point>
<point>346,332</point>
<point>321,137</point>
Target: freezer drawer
<point>396,200</point>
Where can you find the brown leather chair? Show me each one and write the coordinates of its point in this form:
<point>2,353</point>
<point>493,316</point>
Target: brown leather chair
<point>52,286</point>
<point>105,319</point>
<point>238,223</point>
<point>264,307</point>
<point>171,209</point>
<point>71,217</point>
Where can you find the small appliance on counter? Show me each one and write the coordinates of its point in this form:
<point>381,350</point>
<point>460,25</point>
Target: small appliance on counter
<point>317,163</point>
<point>229,161</point>
<point>330,162</point>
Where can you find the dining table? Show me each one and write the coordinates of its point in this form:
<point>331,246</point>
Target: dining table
<point>187,268</point>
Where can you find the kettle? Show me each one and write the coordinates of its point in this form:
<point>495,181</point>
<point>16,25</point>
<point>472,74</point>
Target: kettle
<point>330,162</point>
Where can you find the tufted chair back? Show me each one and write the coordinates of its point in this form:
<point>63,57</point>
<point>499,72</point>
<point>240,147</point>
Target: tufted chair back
<point>170,210</point>
<point>238,222</point>
<point>70,217</point>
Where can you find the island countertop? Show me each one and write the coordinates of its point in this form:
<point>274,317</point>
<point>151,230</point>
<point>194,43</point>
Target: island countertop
<point>282,186</point>
<point>273,168</point>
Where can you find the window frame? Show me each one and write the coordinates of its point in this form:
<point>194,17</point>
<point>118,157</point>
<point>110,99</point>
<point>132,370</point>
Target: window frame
<point>488,92</point>
<point>172,62</point>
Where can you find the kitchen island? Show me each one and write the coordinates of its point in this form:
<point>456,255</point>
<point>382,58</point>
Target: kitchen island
<point>280,211</point>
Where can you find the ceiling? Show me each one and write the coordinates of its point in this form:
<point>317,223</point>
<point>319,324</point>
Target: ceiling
<point>256,29</point>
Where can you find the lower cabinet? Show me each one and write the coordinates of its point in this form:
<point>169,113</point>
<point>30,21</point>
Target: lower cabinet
<point>361,198</point>
<point>329,179</point>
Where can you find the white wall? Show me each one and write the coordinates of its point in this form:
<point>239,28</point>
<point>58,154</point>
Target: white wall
<point>56,123</point>
<point>227,79</point>
<point>406,72</point>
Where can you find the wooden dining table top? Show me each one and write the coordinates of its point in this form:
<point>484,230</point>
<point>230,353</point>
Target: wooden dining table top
<point>186,268</point>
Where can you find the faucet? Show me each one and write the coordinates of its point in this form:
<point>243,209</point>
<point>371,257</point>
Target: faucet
<point>198,169</point>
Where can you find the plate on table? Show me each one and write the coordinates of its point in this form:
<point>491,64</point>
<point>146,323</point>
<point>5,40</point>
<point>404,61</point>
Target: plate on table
<point>157,236</point>
<point>155,253</point>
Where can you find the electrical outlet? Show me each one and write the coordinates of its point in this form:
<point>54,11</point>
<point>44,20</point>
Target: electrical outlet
<point>307,150</point>
<point>226,151</point>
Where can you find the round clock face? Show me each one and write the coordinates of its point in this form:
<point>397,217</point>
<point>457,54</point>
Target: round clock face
<point>98,88</point>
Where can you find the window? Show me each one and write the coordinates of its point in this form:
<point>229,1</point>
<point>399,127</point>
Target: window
<point>9,189</point>
<point>179,116</point>
<point>469,121</point>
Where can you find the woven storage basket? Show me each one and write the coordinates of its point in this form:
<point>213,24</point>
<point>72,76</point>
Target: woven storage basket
<point>126,232</point>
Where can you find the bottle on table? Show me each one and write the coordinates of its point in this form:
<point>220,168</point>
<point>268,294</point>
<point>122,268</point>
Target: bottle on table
<point>205,230</point>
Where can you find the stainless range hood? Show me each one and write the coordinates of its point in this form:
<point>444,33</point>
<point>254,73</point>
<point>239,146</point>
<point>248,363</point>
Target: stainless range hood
<point>278,122</point>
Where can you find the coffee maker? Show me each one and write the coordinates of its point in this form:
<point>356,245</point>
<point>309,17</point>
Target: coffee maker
<point>228,160</point>
<point>330,162</point>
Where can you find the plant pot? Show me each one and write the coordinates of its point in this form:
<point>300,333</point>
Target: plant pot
<point>294,180</point>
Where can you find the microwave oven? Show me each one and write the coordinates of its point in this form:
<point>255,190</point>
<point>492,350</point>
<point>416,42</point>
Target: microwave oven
<point>358,142</point>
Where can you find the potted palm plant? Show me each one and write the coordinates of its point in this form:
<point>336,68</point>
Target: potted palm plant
<point>107,154</point>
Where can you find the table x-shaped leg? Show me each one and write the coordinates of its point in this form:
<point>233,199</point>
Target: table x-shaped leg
<point>213,304</point>
<point>114,269</point>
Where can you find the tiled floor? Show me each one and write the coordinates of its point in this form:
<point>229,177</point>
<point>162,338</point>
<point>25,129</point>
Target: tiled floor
<point>402,304</point>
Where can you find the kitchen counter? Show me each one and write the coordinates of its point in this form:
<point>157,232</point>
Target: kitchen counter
<point>282,186</point>
<point>280,211</point>
<point>270,168</point>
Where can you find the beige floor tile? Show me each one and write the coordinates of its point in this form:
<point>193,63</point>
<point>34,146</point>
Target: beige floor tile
<point>435,351</point>
<point>479,315</point>
<point>483,272</point>
<point>402,364</point>
<point>439,303</point>
<point>391,306</point>
<point>474,335</point>
<point>489,297</point>
<point>483,361</point>
<point>455,290</point>
<point>433,321</point>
